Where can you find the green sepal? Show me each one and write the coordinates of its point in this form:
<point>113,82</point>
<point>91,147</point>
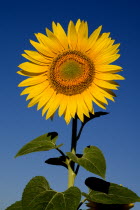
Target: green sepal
<point>117,194</point>
<point>42,143</point>
<point>16,206</point>
<point>92,160</point>
<point>57,161</point>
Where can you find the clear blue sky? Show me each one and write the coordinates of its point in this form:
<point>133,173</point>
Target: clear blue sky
<point>117,134</point>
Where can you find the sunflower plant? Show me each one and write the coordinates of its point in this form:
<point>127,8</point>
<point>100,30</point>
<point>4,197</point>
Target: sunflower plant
<point>69,73</point>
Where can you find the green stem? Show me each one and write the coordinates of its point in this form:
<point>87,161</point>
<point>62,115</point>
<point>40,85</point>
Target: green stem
<point>80,131</point>
<point>81,203</point>
<point>71,165</point>
<point>77,169</point>
<point>74,135</point>
<point>71,176</point>
<point>61,152</point>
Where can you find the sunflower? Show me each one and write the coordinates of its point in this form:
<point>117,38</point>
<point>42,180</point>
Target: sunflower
<point>99,206</point>
<point>69,72</point>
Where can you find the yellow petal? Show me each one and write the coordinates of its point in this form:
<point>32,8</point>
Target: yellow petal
<point>33,60</point>
<point>72,105</point>
<point>108,76</point>
<point>105,47</point>
<point>99,103</point>
<point>21,72</point>
<point>81,108</point>
<point>55,105</point>
<point>33,68</point>
<point>72,35</point>
<point>106,59</point>
<point>97,95</point>
<point>49,103</point>
<point>104,54</point>
<point>107,68</point>
<point>105,92</point>
<point>101,94</point>
<point>93,38</point>
<point>37,89</point>
<point>111,50</point>
<point>92,112</point>
<point>27,90</point>
<point>42,49</point>
<point>49,44</point>
<point>78,23</point>
<point>38,57</point>
<point>100,44</point>
<point>54,40</point>
<point>88,99</point>
<point>83,30</point>
<point>45,96</point>
<point>34,100</point>
<point>54,28</point>
<point>82,36</point>
<point>105,84</point>
<point>63,107</point>
<point>28,74</point>
<point>32,81</point>
<point>67,116</point>
<point>61,35</point>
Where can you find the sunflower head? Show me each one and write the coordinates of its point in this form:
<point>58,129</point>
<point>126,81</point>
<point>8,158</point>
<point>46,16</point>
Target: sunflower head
<point>70,71</point>
<point>99,206</point>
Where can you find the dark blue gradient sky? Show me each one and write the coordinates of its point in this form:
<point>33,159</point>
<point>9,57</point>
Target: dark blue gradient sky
<point>117,134</point>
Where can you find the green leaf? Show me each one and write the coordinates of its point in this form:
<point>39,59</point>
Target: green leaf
<point>16,206</point>
<point>72,198</point>
<point>92,116</point>
<point>68,200</point>
<point>116,195</point>
<point>35,187</point>
<point>42,143</point>
<point>92,160</point>
<point>97,184</point>
<point>38,196</point>
<point>57,161</point>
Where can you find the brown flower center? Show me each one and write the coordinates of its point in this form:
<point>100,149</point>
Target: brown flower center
<point>71,72</point>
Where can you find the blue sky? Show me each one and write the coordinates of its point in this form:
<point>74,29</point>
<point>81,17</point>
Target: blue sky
<point>117,134</point>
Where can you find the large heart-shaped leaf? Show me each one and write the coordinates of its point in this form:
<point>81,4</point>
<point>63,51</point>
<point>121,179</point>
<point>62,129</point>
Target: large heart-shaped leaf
<point>92,160</point>
<point>16,206</point>
<point>38,196</point>
<point>35,187</point>
<point>116,195</point>
<point>68,200</point>
<point>72,197</point>
<point>42,143</point>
